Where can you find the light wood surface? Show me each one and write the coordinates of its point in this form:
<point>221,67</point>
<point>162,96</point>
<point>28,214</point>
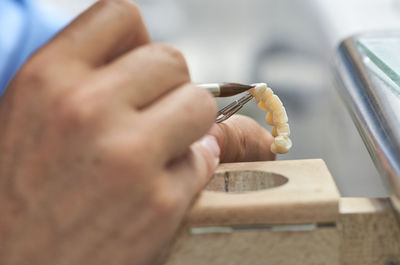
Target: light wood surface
<point>370,232</point>
<point>258,247</point>
<point>309,195</point>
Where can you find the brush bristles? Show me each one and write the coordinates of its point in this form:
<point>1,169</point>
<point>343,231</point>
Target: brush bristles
<point>230,89</point>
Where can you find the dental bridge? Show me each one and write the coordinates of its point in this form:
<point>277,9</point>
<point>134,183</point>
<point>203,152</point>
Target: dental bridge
<point>266,100</point>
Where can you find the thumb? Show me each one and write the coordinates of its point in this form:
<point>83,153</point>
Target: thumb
<point>193,171</point>
<point>206,156</point>
<point>205,159</point>
<point>210,144</point>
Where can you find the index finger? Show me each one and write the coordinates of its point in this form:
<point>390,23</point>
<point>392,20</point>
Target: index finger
<point>106,30</point>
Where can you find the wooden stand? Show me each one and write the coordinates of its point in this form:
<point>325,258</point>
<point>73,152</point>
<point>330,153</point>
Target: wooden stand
<point>285,212</point>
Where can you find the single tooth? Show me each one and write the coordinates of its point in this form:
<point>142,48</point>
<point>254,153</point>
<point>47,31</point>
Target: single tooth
<point>282,150</point>
<point>269,120</point>
<point>260,92</point>
<point>267,108</point>
<point>287,147</point>
<point>283,129</point>
<point>274,132</point>
<point>276,116</point>
<point>279,116</point>
<point>276,103</point>
<point>267,94</point>
<point>259,88</point>
<point>254,93</point>
<point>280,140</point>
<point>262,106</point>
<point>274,148</point>
<point>283,144</point>
<point>268,101</point>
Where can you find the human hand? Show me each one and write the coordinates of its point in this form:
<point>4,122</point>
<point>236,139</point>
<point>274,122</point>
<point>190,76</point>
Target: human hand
<point>242,139</point>
<point>97,161</point>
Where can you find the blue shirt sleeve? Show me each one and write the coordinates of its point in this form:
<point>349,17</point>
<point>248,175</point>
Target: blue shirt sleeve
<point>24,27</point>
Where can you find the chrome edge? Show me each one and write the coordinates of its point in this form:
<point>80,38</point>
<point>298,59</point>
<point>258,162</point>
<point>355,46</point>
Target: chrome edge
<point>363,94</point>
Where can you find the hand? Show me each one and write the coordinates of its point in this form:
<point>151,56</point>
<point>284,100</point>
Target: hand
<point>97,164</point>
<point>99,150</point>
<point>241,139</point>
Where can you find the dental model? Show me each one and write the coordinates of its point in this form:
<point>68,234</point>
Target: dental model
<point>275,117</point>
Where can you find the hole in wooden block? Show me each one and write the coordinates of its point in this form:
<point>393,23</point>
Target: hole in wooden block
<point>245,181</point>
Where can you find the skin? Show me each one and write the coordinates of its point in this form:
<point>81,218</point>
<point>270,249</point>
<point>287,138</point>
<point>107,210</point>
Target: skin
<point>103,150</point>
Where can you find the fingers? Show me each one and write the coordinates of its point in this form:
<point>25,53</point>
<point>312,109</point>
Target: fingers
<point>180,118</point>
<point>192,172</point>
<point>106,30</point>
<point>239,139</point>
<point>242,139</point>
<point>145,74</point>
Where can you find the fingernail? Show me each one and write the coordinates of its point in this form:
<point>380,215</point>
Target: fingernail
<point>210,143</point>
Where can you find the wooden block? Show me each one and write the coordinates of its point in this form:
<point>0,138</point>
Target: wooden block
<point>274,192</point>
<point>319,246</point>
<point>281,212</point>
<point>285,212</point>
<point>370,232</point>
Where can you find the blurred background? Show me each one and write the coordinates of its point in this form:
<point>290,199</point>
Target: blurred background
<point>289,44</point>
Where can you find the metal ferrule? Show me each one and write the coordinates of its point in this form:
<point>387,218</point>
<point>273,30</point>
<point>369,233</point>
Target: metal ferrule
<point>213,88</point>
